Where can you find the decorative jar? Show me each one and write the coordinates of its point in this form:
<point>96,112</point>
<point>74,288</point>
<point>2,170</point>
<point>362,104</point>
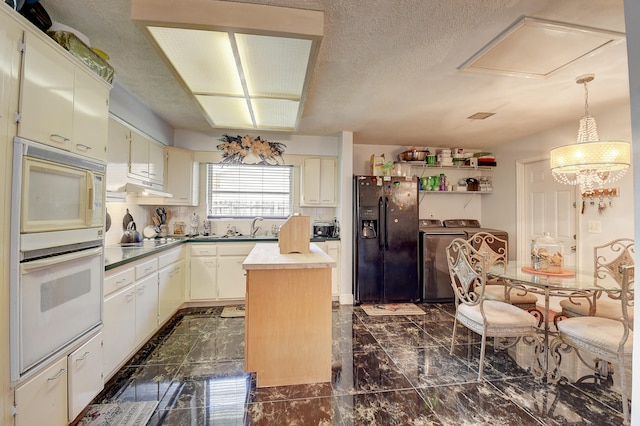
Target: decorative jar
<point>546,254</point>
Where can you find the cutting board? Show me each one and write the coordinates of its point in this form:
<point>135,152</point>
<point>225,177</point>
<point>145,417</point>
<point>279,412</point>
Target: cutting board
<point>294,235</point>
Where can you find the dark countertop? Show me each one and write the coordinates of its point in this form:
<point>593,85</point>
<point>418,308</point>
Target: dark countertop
<point>118,255</point>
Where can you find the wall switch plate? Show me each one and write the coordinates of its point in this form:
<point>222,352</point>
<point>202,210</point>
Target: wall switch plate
<point>595,226</point>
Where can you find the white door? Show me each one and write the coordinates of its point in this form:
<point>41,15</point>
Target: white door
<point>549,206</point>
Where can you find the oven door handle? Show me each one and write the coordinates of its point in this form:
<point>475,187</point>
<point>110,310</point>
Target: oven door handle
<point>49,261</point>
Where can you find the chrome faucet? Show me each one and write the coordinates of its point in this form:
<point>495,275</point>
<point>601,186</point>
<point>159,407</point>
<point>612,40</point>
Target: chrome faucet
<point>254,228</point>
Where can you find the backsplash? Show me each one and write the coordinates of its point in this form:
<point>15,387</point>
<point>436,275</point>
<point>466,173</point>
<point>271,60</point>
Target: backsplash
<point>142,216</point>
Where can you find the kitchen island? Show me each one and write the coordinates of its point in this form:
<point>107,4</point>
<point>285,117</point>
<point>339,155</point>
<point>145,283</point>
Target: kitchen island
<point>288,316</point>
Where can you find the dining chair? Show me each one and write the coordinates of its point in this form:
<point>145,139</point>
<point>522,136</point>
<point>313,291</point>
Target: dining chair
<point>607,259</point>
<point>488,318</point>
<point>605,338</point>
<point>495,250</point>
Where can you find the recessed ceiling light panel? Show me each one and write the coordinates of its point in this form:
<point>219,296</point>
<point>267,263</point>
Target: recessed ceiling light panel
<point>247,65</point>
<point>204,59</point>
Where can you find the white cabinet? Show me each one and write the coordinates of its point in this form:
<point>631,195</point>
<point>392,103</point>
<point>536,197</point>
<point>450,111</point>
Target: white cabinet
<point>146,307</point>
<point>42,400</point>
<point>181,179</point>
<point>231,277</point>
<point>118,330</point>
<point>146,158</point>
<point>171,279</point>
<point>90,116</point>
<point>332,248</point>
<point>319,179</point>
<point>61,103</point>
<point>117,155</point>
<point>85,375</point>
<point>204,270</point>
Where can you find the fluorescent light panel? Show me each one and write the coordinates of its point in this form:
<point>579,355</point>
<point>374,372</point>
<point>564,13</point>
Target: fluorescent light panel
<point>274,69</point>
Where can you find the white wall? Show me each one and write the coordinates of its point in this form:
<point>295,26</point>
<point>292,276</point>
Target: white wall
<point>499,208</point>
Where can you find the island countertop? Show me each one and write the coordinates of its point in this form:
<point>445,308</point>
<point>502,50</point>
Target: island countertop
<point>267,256</point>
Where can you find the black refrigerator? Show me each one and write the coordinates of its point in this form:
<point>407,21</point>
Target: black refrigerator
<point>386,268</point>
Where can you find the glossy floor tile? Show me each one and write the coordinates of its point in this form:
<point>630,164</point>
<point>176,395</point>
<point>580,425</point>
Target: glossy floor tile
<point>390,370</point>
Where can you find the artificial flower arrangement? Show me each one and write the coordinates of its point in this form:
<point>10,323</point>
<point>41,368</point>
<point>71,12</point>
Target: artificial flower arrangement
<point>240,149</point>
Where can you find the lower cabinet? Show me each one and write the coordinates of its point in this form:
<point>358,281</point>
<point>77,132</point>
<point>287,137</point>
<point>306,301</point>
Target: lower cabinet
<point>85,375</point>
<point>170,290</point>
<point>204,270</point>
<point>231,277</point>
<point>58,394</point>
<point>146,307</point>
<point>118,330</point>
<point>42,400</point>
<point>332,248</point>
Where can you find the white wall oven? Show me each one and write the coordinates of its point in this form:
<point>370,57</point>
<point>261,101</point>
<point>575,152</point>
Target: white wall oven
<point>57,221</point>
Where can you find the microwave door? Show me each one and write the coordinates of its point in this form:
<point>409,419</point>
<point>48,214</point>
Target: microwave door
<point>54,197</point>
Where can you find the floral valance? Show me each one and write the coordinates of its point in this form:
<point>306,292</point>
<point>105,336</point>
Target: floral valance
<point>249,150</point>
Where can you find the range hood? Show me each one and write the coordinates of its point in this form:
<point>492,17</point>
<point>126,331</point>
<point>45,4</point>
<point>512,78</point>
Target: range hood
<point>145,191</point>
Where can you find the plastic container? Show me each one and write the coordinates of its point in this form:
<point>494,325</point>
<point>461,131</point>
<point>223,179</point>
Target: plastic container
<point>546,254</point>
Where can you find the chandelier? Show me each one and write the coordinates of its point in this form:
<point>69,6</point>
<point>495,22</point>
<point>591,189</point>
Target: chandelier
<point>590,163</point>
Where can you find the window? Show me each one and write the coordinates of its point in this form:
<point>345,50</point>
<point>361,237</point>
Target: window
<point>249,190</point>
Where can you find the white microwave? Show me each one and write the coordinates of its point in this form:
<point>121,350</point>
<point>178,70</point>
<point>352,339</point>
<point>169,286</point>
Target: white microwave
<point>61,196</point>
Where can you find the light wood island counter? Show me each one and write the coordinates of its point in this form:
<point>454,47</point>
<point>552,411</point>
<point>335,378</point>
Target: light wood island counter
<point>288,316</point>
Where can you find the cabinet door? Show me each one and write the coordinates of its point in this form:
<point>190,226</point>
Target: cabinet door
<point>318,182</point>
<point>90,116</point>
<point>182,177</point>
<point>203,278</point>
<point>139,155</point>
<point>46,96</point>
<point>118,331</point>
<point>231,277</point>
<point>85,375</point>
<point>156,162</point>
<point>170,290</point>
<point>146,307</point>
<point>328,182</point>
<point>117,155</point>
<point>333,250</point>
<point>42,400</point>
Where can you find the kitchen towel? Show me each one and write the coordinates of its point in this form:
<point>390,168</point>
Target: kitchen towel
<point>392,309</point>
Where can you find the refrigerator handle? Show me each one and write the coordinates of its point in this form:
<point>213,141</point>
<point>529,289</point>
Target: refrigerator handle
<point>386,233</point>
<point>381,220</point>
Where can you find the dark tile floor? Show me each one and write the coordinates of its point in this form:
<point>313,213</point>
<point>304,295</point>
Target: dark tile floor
<point>390,370</point>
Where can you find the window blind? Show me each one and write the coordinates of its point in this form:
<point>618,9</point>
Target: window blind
<point>249,190</point>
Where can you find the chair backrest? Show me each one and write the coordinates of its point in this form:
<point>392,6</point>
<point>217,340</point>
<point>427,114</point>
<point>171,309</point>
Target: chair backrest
<point>608,259</point>
<point>493,248</point>
<point>626,297</point>
<point>467,269</point>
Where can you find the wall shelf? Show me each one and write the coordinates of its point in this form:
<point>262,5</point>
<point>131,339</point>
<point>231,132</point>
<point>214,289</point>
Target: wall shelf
<point>437,166</point>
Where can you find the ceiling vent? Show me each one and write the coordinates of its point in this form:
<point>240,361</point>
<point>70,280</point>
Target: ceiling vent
<point>538,48</point>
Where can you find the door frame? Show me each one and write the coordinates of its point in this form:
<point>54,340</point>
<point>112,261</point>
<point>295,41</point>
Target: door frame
<point>522,246</point>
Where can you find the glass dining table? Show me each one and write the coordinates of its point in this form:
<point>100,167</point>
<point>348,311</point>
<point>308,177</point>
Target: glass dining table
<point>519,276</point>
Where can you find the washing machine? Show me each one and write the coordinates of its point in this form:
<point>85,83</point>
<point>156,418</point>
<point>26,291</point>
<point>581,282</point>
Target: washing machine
<point>434,269</point>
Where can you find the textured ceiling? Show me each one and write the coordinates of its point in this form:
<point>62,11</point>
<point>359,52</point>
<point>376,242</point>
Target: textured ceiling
<point>387,69</point>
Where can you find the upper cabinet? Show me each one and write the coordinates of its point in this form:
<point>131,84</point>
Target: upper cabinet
<point>117,156</point>
<point>146,158</point>
<point>62,104</point>
<point>182,176</point>
<point>318,188</point>
<point>181,179</point>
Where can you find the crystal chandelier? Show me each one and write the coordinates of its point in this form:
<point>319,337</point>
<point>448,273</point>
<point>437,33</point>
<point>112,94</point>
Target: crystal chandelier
<point>590,163</point>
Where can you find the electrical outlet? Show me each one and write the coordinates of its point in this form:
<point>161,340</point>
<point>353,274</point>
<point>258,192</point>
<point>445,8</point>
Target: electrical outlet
<point>595,226</point>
